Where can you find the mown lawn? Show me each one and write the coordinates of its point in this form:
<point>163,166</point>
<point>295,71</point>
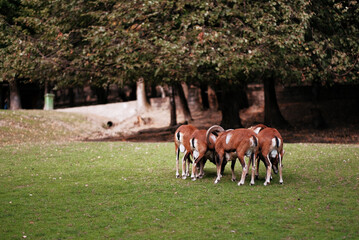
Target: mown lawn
<point>119,190</point>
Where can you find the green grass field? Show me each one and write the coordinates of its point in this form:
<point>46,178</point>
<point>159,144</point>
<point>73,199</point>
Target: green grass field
<point>129,191</point>
<point>121,190</point>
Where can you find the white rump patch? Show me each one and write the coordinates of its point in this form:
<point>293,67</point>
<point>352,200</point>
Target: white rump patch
<point>274,144</point>
<point>228,137</point>
<point>252,142</point>
<point>195,154</point>
<point>195,143</point>
<point>273,153</point>
<point>182,148</point>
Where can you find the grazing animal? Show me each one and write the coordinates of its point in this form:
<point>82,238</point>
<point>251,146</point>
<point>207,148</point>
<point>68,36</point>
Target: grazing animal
<point>270,152</point>
<point>234,144</point>
<point>182,144</point>
<point>202,146</point>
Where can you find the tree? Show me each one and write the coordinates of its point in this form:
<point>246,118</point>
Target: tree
<point>222,43</point>
<point>330,51</point>
<point>183,102</point>
<point>30,43</point>
<point>142,102</point>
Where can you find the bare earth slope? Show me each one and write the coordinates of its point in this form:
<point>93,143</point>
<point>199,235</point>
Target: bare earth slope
<point>130,125</point>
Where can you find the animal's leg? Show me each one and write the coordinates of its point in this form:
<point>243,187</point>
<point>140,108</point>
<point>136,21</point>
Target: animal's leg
<point>184,176</point>
<point>224,163</point>
<point>201,168</point>
<point>244,170</point>
<point>188,165</point>
<point>257,169</point>
<point>219,164</point>
<point>194,167</point>
<point>177,162</point>
<point>253,159</point>
<point>233,163</point>
<point>269,170</point>
<point>280,169</point>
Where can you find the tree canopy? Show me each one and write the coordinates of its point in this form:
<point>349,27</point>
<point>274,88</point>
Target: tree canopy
<point>218,42</point>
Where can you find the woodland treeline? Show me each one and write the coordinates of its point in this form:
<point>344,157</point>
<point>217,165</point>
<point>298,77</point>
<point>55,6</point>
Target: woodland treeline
<point>223,44</point>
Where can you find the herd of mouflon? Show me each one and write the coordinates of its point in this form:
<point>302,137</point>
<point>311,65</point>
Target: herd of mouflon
<point>220,146</point>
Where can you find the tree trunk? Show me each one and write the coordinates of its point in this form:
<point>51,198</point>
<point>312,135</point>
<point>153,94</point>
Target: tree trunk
<point>71,97</point>
<point>184,103</point>
<point>15,101</point>
<point>318,120</point>
<point>272,115</point>
<point>204,96</point>
<point>142,102</point>
<point>101,94</point>
<point>231,100</point>
<point>172,106</point>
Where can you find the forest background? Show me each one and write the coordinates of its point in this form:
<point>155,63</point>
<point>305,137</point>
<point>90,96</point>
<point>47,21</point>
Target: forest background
<point>222,44</point>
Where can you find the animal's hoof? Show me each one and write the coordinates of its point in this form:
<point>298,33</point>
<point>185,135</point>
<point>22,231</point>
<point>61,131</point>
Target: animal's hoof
<point>215,182</point>
<point>193,179</point>
<point>251,184</point>
<point>200,176</point>
<point>184,177</point>
<point>281,182</point>
<point>240,184</point>
<point>177,176</point>
<point>234,180</point>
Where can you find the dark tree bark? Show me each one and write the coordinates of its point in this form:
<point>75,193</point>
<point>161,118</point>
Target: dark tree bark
<point>272,115</point>
<point>71,97</point>
<point>132,96</point>
<point>172,106</point>
<point>184,103</point>
<point>101,94</point>
<point>153,91</point>
<point>204,96</point>
<point>318,120</point>
<point>231,99</point>
<point>15,100</point>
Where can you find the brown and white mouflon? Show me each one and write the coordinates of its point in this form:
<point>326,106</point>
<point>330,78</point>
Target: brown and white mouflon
<point>182,144</point>
<point>233,144</point>
<point>270,152</point>
<point>203,149</point>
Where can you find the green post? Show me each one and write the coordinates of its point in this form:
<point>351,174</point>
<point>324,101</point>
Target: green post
<point>49,101</point>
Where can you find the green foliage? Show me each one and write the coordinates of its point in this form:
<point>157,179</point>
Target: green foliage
<point>331,48</point>
<point>98,42</point>
<point>129,191</point>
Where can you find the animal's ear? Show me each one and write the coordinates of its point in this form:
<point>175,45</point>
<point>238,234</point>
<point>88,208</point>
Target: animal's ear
<point>215,133</point>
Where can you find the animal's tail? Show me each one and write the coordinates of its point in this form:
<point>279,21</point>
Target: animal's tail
<point>277,141</point>
<point>178,136</point>
<point>255,141</point>
<point>192,143</point>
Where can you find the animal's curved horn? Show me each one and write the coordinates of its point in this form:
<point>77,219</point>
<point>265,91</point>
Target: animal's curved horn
<point>213,129</point>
